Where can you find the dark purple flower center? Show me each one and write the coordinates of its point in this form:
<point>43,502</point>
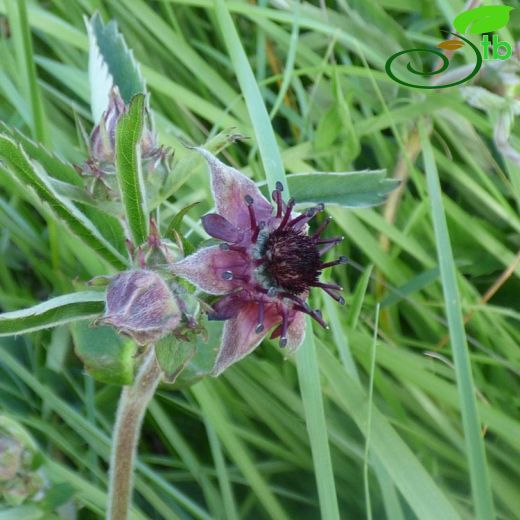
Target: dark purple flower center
<point>292,260</point>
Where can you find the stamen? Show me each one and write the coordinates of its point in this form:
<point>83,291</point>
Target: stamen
<point>308,214</point>
<point>285,326</point>
<point>321,228</point>
<point>252,217</point>
<point>332,294</point>
<point>340,260</point>
<point>315,314</point>
<point>332,240</point>
<point>260,324</point>
<point>227,275</point>
<point>290,205</point>
<point>277,197</point>
<point>259,227</point>
<point>328,286</point>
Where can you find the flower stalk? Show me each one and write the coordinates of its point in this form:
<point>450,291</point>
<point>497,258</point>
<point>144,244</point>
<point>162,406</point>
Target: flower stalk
<point>130,413</point>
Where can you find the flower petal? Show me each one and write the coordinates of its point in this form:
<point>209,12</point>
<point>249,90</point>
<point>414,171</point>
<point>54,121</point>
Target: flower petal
<point>239,337</point>
<point>206,269</point>
<point>229,190</point>
<point>227,307</point>
<point>295,333</point>
<point>218,227</point>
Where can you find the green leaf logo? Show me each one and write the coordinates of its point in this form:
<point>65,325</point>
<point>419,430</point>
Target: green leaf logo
<point>482,19</point>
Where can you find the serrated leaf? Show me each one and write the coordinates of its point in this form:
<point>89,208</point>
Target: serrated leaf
<point>128,168</point>
<point>30,176</point>
<point>202,363</point>
<point>56,167</point>
<point>110,63</point>
<point>482,19</point>
<point>350,189</point>
<point>54,312</point>
<point>107,356</point>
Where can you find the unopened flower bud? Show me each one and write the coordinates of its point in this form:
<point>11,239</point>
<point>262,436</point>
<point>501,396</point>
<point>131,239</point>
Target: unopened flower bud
<point>140,304</point>
<point>103,137</point>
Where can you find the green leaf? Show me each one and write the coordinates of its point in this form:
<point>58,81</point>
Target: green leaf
<point>128,168</point>
<point>59,310</point>
<point>173,355</point>
<point>110,63</point>
<point>475,451</point>
<point>56,167</point>
<point>32,177</point>
<point>202,363</point>
<point>312,399</point>
<point>176,221</point>
<point>108,357</point>
<point>57,495</point>
<point>416,485</point>
<point>349,189</point>
<point>483,19</point>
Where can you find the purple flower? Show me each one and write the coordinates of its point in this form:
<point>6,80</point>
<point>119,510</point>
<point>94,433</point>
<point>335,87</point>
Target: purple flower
<point>140,304</point>
<point>264,267</point>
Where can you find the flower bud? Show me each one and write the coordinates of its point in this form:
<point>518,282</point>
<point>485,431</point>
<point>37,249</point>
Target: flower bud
<point>140,304</point>
<point>103,137</point>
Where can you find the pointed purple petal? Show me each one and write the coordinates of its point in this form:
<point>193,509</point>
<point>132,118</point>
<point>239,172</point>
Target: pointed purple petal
<point>226,308</point>
<point>239,337</point>
<point>219,227</point>
<point>229,190</point>
<point>295,333</point>
<point>206,269</point>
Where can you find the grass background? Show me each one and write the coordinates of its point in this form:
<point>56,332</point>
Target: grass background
<point>394,401</point>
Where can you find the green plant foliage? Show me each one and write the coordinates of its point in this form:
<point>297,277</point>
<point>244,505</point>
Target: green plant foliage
<point>128,168</point>
<point>54,312</point>
<point>111,63</point>
<point>107,357</point>
<point>416,417</point>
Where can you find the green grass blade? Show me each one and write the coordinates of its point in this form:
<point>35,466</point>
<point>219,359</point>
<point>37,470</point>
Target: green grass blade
<point>27,65</point>
<point>310,387</point>
<point>128,168</point>
<point>409,476</point>
<point>54,312</point>
<point>216,415</point>
<point>475,452</point>
<point>266,140</point>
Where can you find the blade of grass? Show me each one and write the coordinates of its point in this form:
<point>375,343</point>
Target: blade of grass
<point>310,387</point>
<point>478,469</point>
<point>369,416</point>
<point>266,140</point>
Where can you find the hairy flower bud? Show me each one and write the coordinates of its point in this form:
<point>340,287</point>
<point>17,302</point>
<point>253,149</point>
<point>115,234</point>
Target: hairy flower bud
<point>103,137</point>
<point>140,304</point>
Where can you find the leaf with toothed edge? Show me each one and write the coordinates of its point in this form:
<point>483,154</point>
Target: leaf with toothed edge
<point>110,63</point>
<point>56,167</point>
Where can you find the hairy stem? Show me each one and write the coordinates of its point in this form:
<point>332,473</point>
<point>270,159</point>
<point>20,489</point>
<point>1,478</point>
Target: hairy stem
<point>130,412</point>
